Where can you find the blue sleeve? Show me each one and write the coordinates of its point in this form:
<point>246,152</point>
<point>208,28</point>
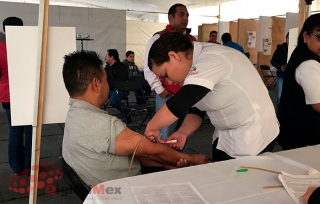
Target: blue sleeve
<point>242,50</point>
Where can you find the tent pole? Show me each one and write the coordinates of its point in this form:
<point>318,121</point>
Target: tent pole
<point>39,95</point>
<point>308,10</point>
<point>303,12</point>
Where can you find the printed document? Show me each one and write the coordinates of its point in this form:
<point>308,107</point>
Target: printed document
<point>296,185</point>
<point>182,193</point>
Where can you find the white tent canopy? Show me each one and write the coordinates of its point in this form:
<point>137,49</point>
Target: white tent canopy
<point>201,11</point>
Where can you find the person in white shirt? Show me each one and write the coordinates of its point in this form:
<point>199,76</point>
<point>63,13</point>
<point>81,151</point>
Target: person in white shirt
<point>178,17</point>
<point>299,108</point>
<point>223,83</point>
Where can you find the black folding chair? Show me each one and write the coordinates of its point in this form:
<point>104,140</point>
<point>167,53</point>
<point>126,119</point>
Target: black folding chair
<point>145,110</point>
<point>269,78</point>
<point>79,187</point>
<point>140,79</point>
<point>247,54</point>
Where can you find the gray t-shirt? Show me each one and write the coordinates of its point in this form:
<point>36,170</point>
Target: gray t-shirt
<point>89,144</point>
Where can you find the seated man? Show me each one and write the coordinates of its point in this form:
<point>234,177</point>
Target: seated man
<point>134,71</point>
<point>129,62</point>
<point>116,71</point>
<point>227,41</point>
<point>99,147</point>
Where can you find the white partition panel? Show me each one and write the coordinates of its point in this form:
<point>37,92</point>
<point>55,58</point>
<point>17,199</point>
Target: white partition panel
<point>293,41</point>
<point>265,30</point>
<point>223,27</point>
<point>292,21</point>
<point>22,44</point>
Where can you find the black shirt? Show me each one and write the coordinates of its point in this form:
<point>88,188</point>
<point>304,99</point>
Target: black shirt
<point>187,96</point>
<point>116,72</point>
<point>315,197</point>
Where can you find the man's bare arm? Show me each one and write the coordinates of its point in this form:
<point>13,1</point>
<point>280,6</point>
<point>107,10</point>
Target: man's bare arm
<point>127,141</point>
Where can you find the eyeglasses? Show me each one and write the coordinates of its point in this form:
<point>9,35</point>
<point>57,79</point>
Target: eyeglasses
<point>318,36</point>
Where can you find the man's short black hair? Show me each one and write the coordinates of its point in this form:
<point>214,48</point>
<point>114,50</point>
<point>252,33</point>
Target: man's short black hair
<point>114,53</point>
<point>213,32</point>
<point>226,37</point>
<point>79,69</point>
<point>129,53</point>
<point>173,9</point>
<point>11,21</point>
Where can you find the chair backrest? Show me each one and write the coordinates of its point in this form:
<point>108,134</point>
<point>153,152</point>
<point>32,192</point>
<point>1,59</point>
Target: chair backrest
<point>130,85</point>
<point>140,79</point>
<point>73,180</point>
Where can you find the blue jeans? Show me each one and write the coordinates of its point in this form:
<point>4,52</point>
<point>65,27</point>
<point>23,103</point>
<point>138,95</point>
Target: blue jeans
<point>279,89</point>
<point>169,130</point>
<point>115,101</point>
<point>19,154</point>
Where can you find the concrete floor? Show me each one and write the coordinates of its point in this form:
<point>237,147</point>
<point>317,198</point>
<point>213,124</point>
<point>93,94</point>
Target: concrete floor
<point>52,136</point>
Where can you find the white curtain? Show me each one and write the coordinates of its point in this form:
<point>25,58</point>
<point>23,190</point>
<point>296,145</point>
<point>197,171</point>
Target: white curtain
<point>138,35</point>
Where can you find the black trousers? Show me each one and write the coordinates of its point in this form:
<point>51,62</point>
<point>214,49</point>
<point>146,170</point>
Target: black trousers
<point>218,155</point>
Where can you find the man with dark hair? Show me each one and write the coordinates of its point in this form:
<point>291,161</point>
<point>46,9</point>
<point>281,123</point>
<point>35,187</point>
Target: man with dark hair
<point>129,62</point>
<point>97,146</point>
<point>117,71</point>
<point>227,41</point>
<point>19,154</point>
<point>134,71</point>
<point>213,37</point>
<point>178,17</point>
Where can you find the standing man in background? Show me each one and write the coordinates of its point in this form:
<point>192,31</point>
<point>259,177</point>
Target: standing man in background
<point>279,61</point>
<point>19,151</point>
<point>178,17</point>
<point>213,37</point>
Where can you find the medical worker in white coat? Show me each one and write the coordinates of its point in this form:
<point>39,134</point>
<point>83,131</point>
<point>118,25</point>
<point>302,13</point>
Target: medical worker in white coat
<point>221,82</point>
